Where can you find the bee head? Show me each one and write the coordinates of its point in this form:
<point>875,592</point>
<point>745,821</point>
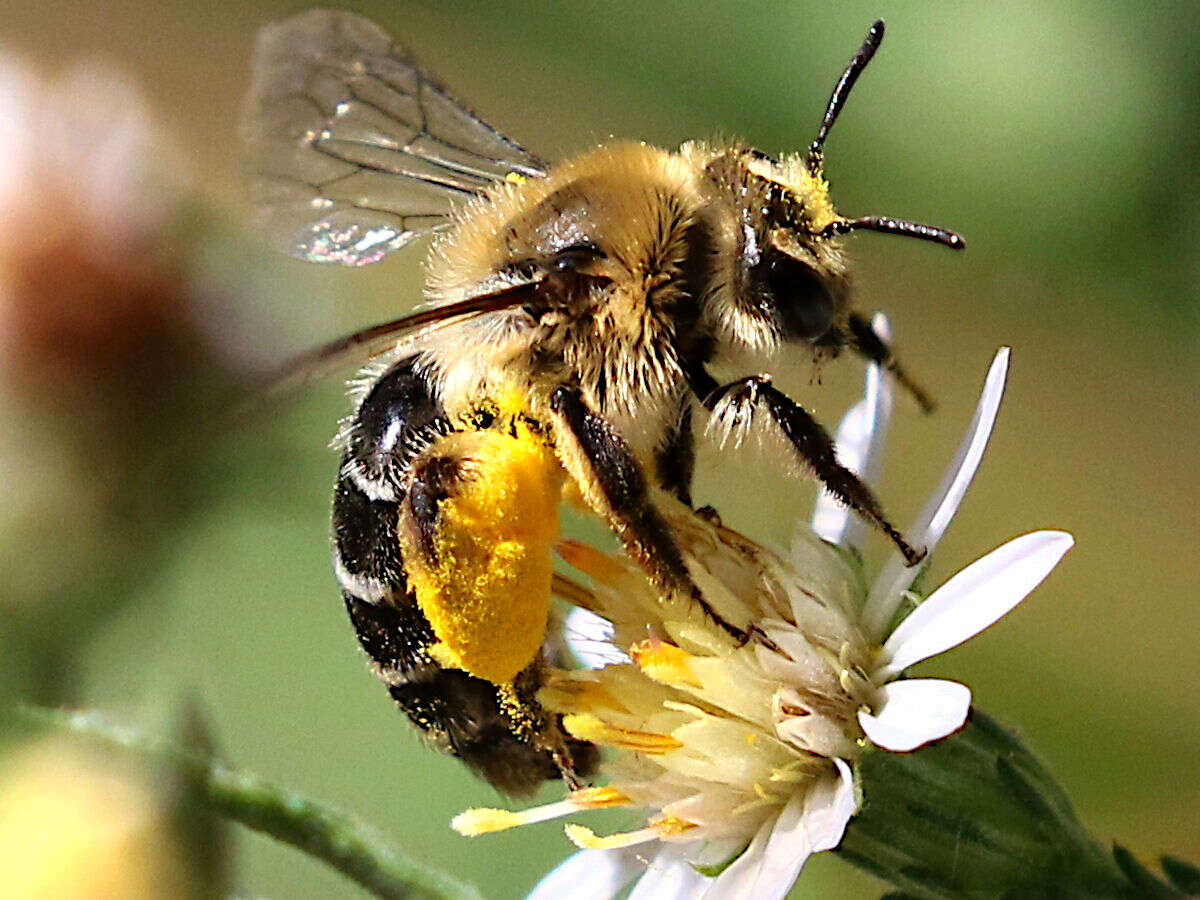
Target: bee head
<point>800,268</point>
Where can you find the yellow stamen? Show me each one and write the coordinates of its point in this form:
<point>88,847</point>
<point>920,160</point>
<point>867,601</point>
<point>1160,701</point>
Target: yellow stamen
<point>570,695</point>
<point>599,566</point>
<point>598,798</point>
<point>474,822</point>
<point>586,839</point>
<point>589,728</point>
<point>793,772</point>
<point>515,178</point>
<point>669,826</point>
<point>664,663</point>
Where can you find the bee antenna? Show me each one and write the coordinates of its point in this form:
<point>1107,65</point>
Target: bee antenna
<point>841,91</point>
<point>888,225</point>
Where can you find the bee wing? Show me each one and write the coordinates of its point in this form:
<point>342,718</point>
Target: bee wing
<point>354,150</point>
<point>389,336</point>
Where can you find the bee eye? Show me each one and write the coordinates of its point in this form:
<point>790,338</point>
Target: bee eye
<point>805,306</point>
<point>570,258</point>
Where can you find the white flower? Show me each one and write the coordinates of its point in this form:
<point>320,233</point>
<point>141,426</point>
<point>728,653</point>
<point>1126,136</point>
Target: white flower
<point>80,160</point>
<point>92,283</point>
<point>742,752</point>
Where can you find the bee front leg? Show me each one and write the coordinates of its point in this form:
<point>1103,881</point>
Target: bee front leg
<point>736,402</point>
<point>613,484</point>
<point>863,339</point>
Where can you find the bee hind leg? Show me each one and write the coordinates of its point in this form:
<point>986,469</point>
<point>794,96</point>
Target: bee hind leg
<point>531,722</point>
<point>614,485</point>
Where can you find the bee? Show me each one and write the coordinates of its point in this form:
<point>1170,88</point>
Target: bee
<point>575,313</point>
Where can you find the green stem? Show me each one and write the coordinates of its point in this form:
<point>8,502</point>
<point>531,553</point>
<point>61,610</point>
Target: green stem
<point>978,815</point>
<point>335,839</point>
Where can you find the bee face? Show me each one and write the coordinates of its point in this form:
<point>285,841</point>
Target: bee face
<point>575,312</point>
<point>796,263</point>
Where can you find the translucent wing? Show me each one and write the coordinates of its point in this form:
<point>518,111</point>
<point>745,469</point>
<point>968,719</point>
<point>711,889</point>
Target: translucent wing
<point>354,150</point>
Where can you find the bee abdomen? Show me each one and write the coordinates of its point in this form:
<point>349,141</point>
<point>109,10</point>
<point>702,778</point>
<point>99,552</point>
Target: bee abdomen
<point>366,554</point>
<point>458,713</point>
<point>393,635</point>
<point>461,715</point>
<point>373,482</point>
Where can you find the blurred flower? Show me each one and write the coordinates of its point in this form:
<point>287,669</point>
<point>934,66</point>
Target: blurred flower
<point>103,366</point>
<point>743,753</point>
<point>91,295</point>
<point>75,825</point>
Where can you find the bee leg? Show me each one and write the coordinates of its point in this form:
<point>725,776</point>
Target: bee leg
<point>613,484</point>
<point>811,442</point>
<point>869,345</point>
<point>531,722</point>
<point>675,462</point>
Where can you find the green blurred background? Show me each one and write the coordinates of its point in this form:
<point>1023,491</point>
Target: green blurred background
<point>1060,139</point>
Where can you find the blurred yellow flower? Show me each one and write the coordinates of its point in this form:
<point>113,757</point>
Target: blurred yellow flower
<point>74,825</point>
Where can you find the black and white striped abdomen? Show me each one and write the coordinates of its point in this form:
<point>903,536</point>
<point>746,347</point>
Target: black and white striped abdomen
<point>458,713</point>
<point>366,506</point>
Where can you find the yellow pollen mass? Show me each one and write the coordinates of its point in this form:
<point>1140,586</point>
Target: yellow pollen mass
<point>486,589</point>
<point>817,205</point>
<point>809,188</point>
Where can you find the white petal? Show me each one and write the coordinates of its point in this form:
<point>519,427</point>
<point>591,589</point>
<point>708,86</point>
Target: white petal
<point>670,877</point>
<point>930,525</point>
<point>860,440</point>
<point>973,599</point>
<point>811,821</point>
<point>589,875</point>
<point>913,713</point>
<point>741,877</point>
<point>589,638</point>
<point>828,809</point>
<point>714,852</point>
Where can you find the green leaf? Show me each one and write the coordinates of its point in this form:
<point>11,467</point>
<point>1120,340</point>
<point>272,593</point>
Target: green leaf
<point>978,815</point>
<point>1182,874</point>
<point>1139,876</point>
